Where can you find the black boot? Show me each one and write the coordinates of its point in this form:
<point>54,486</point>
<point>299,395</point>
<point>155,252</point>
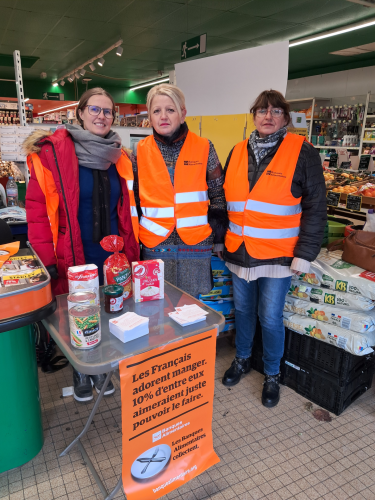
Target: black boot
<point>239,367</point>
<point>271,391</point>
<point>82,387</point>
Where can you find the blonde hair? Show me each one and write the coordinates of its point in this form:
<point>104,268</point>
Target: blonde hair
<point>168,90</point>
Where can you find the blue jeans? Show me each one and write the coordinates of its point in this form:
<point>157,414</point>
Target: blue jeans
<point>264,297</point>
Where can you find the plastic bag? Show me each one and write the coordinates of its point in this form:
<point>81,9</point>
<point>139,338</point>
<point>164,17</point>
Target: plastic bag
<point>8,250</point>
<point>116,268</point>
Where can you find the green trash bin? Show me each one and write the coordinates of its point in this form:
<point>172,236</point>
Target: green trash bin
<point>21,431</point>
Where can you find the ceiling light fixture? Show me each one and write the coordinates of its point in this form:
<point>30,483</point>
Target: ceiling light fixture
<point>119,51</point>
<point>149,84</point>
<point>101,61</point>
<point>335,32</point>
<point>55,84</point>
<point>61,107</point>
<point>90,62</point>
<point>70,79</point>
<point>78,76</point>
<point>82,72</point>
<point>62,83</point>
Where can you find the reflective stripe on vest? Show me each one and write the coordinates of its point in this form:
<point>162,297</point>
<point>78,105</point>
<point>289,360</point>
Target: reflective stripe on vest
<point>235,228</point>
<point>270,234</point>
<point>130,185</point>
<point>184,205</point>
<point>158,213</point>
<point>153,227</point>
<point>236,206</point>
<point>271,208</point>
<point>133,211</point>
<point>192,197</point>
<point>192,221</point>
<point>268,229</point>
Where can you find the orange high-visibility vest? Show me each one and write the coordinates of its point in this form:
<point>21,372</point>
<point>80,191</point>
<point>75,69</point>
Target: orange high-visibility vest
<point>48,187</point>
<point>183,206</point>
<point>268,218</point>
<point>125,170</point>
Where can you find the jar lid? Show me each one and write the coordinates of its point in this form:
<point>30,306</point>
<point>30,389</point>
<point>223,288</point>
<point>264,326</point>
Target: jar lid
<point>113,290</point>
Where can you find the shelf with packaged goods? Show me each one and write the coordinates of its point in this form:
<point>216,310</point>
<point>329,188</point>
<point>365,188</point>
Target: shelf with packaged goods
<point>336,147</point>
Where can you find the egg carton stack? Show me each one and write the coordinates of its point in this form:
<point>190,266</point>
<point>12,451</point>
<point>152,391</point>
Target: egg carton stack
<point>330,318</point>
<point>220,297</point>
<point>11,139</point>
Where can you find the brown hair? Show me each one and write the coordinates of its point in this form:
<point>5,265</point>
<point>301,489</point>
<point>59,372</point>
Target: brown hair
<point>85,98</point>
<point>271,98</point>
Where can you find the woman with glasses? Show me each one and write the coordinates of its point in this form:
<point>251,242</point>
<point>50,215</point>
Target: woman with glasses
<point>276,200</point>
<point>77,195</point>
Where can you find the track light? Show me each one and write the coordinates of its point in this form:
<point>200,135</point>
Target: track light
<point>101,61</point>
<point>55,84</point>
<point>62,83</point>
<point>78,76</point>
<point>119,51</point>
<point>70,79</point>
<point>82,72</point>
<point>92,66</point>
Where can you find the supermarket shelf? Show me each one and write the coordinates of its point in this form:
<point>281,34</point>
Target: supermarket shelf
<point>371,128</point>
<point>369,142</point>
<point>370,116</point>
<point>337,147</point>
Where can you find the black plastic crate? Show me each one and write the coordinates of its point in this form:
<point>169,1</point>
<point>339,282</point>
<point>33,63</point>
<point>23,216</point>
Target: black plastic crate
<point>323,389</point>
<point>326,357</point>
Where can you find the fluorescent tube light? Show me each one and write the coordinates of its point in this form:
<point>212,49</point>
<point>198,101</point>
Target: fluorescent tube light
<point>61,107</point>
<point>149,84</point>
<point>328,34</point>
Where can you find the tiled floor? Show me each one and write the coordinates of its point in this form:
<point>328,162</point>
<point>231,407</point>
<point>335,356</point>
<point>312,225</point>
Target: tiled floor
<point>270,454</point>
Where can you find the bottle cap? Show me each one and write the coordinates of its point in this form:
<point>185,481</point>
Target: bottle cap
<point>10,177</point>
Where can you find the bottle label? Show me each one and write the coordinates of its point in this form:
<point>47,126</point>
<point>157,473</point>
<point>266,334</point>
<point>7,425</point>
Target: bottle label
<point>12,192</point>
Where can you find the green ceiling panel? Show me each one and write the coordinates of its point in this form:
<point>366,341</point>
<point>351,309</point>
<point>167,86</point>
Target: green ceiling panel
<point>26,61</point>
<point>66,33</point>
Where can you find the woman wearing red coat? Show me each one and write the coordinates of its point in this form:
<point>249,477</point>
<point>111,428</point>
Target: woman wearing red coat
<point>77,194</point>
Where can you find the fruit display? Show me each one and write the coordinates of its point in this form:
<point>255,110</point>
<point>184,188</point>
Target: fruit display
<point>346,189</point>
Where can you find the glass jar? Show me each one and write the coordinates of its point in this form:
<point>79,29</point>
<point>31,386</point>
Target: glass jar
<point>113,298</point>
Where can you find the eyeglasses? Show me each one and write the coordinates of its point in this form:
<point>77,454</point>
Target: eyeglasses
<point>276,113</point>
<point>96,110</point>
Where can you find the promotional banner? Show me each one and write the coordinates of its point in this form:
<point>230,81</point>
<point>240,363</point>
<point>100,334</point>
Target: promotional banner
<point>167,396</point>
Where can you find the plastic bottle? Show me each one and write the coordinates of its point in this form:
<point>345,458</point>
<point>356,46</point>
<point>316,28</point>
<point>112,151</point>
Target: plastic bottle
<point>12,192</point>
<point>370,221</point>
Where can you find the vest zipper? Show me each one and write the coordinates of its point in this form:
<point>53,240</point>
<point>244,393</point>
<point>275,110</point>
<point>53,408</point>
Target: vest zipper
<point>64,198</point>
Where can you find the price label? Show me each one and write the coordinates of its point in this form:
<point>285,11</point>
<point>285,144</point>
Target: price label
<point>333,199</point>
<point>345,165</point>
<point>354,202</point>
<point>333,160</point>
<point>364,162</point>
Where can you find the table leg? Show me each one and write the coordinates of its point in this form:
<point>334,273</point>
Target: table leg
<point>91,416</point>
<point>117,488</point>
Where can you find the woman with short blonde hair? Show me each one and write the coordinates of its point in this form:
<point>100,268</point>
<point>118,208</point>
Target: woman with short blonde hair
<point>179,191</point>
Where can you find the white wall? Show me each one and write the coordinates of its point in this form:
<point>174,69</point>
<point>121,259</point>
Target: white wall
<point>339,84</point>
<point>228,83</point>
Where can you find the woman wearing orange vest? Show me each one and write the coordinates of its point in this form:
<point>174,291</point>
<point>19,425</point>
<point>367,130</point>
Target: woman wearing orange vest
<point>275,193</point>
<point>179,192</point>
<point>80,190</point>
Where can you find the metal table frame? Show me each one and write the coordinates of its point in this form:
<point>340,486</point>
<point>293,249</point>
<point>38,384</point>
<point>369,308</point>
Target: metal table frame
<point>68,351</point>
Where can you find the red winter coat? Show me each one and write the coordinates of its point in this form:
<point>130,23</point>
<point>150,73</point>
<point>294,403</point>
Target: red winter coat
<point>57,154</point>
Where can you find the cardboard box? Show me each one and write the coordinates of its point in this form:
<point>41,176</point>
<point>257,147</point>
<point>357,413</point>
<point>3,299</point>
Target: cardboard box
<point>148,280</point>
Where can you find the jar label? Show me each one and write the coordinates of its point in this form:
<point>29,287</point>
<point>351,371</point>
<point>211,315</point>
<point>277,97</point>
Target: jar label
<point>116,304</point>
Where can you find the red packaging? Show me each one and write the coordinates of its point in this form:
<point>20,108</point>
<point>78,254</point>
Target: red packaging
<point>116,267</point>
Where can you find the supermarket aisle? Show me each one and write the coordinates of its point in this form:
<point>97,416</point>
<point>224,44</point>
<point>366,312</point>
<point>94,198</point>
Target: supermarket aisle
<point>278,454</point>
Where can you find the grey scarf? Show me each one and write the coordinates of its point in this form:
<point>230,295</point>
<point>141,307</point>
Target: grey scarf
<point>261,146</point>
<point>93,151</point>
